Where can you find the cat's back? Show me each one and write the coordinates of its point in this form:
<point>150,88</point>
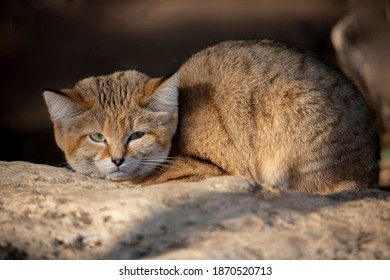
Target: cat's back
<point>281,116</point>
<point>265,63</point>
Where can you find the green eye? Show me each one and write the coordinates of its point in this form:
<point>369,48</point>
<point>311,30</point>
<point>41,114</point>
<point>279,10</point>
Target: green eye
<point>97,137</point>
<point>136,135</point>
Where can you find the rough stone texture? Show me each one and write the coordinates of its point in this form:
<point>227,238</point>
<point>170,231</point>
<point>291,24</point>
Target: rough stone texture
<point>53,213</point>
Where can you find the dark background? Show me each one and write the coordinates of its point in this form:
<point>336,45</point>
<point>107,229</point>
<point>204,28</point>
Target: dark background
<point>55,43</point>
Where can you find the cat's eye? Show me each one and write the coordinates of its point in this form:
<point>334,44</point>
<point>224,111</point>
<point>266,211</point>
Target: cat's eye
<point>136,135</point>
<point>97,137</point>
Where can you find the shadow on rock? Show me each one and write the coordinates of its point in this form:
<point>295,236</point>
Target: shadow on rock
<point>249,223</point>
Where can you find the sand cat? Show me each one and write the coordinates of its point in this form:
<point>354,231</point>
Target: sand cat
<point>250,108</point>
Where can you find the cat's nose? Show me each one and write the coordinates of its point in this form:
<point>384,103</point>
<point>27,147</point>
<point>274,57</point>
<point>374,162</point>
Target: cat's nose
<point>118,162</point>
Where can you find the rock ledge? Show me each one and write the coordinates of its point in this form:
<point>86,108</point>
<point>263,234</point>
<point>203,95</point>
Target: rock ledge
<point>53,213</point>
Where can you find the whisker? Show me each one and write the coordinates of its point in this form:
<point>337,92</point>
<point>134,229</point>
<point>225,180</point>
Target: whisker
<point>159,165</point>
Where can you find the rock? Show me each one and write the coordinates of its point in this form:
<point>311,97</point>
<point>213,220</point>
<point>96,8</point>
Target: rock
<point>362,43</point>
<point>53,213</point>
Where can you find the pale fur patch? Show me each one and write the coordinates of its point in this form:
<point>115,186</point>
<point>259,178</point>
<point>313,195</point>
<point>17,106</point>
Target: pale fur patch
<point>274,173</point>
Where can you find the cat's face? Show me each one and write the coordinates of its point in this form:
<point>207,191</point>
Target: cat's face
<point>116,127</point>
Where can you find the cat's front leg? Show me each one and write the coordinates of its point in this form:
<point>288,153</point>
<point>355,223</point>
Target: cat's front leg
<point>184,169</point>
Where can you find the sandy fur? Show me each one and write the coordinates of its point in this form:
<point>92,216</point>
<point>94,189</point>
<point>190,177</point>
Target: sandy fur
<point>255,109</point>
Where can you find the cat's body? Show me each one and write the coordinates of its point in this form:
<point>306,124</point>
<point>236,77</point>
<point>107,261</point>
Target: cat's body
<point>255,109</point>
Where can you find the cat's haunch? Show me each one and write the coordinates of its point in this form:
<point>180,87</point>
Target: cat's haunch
<point>248,108</point>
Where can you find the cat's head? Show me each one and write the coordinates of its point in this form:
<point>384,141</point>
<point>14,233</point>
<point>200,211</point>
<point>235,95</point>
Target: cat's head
<point>116,127</point>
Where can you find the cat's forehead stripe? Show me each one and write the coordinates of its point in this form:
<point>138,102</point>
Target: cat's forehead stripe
<point>110,92</point>
<point>116,89</point>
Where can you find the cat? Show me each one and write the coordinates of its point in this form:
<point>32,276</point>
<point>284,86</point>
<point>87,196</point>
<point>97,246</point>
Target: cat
<point>257,109</point>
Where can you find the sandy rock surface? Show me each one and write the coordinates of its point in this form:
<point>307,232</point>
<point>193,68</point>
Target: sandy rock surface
<point>53,213</point>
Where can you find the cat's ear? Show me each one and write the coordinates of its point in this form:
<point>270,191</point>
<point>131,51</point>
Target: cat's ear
<point>161,95</point>
<point>61,106</point>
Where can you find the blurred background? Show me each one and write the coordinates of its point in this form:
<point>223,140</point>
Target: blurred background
<point>55,43</point>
